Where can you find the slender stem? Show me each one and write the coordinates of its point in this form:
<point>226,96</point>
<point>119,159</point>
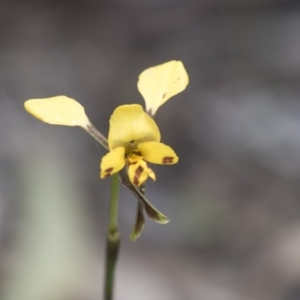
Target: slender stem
<point>113,239</point>
<point>114,202</point>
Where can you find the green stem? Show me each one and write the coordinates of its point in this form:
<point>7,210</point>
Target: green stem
<point>113,239</point>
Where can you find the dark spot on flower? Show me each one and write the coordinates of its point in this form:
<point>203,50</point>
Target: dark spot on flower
<point>167,159</point>
<point>108,171</point>
<point>137,175</point>
<point>164,95</point>
<point>132,163</point>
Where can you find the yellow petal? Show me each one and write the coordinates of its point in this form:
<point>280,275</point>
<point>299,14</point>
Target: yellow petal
<point>151,174</point>
<point>158,153</point>
<point>138,172</point>
<point>112,162</point>
<point>59,110</point>
<point>134,158</point>
<point>160,83</point>
<point>130,124</point>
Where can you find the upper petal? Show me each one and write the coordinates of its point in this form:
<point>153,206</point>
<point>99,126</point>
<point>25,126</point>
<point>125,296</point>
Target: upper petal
<point>59,110</point>
<point>158,153</point>
<point>160,83</point>
<point>130,123</point>
<point>112,162</point>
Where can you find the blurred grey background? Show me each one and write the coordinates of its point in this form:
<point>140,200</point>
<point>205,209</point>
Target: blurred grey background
<point>233,198</point>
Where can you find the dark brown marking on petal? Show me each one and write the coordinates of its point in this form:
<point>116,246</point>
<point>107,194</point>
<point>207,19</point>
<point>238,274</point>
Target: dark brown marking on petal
<point>164,95</point>
<point>132,163</point>
<point>167,159</point>
<point>137,175</point>
<point>108,170</point>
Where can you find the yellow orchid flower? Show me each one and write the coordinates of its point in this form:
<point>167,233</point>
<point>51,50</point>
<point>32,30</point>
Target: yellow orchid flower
<point>158,84</point>
<point>133,139</point>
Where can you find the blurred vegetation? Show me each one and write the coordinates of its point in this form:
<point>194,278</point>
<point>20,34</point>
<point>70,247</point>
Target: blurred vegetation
<point>233,199</point>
